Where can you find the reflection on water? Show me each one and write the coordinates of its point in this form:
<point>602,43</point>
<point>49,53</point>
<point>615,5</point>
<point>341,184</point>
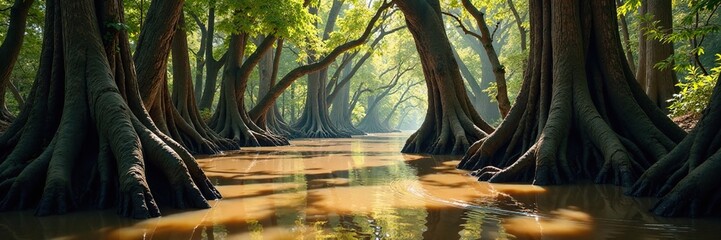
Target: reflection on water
<point>364,188</point>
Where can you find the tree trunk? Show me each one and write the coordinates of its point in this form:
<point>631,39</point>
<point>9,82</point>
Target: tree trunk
<point>451,124</point>
<point>212,66</point>
<point>579,113</point>
<point>200,57</point>
<point>54,161</point>
<point>230,119</point>
<point>268,69</point>
<point>315,121</point>
<point>9,52</point>
<point>371,122</point>
<point>154,44</point>
<point>659,85</point>
<point>498,70</point>
<point>341,112</point>
<point>686,179</point>
<point>183,99</point>
<point>519,23</point>
<point>626,39</point>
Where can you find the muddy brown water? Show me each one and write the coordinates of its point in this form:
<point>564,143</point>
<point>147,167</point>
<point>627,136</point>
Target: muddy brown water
<point>364,188</point>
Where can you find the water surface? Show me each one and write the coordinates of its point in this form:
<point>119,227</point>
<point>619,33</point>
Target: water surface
<point>364,188</point>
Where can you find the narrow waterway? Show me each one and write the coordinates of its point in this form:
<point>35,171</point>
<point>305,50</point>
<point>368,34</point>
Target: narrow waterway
<point>364,188</point>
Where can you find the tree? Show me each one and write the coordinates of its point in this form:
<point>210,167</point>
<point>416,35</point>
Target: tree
<point>451,124</point>
<point>658,80</point>
<point>580,113</point>
<point>371,123</point>
<point>315,121</point>
<point>151,58</point>
<point>212,65</point>
<point>9,52</point>
<point>686,179</point>
<point>499,71</point>
<point>268,69</point>
<point>186,114</point>
<point>84,138</point>
<point>261,109</point>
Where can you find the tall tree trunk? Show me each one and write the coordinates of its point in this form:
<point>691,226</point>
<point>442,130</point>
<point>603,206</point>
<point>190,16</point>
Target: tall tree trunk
<point>212,66</point>
<point>268,69</point>
<point>371,123</point>
<point>55,161</point>
<point>183,99</point>
<point>451,124</point>
<point>200,57</point>
<point>580,113</point>
<point>626,39</point>
<point>230,119</point>
<point>315,121</point>
<point>154,44</point>
<point>686,179</point>
<point>9,52</point>
<point>341,112</point>
<point>659,84</point>
<point>519,24</point>
<point>498,70</point>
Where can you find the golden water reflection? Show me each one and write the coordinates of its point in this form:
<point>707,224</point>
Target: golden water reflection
<point>364,188</point>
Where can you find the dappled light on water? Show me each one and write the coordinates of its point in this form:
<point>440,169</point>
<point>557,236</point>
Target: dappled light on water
<point>365,188</point>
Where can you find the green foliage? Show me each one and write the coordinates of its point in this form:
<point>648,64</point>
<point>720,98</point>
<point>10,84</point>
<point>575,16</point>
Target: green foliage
<point>695,92</point>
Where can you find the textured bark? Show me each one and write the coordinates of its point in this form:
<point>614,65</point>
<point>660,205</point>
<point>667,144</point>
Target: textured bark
<point>203,138</point>
<point>659,84</point>
<point>451,124</point>
<point>315,121</point>
<point>212,66</point>
<point>341,111</point>
<point>230,118</point>
<point>84,138</point>
<point>579,113</point>
<point>686,179</point>
<point>499,71</point>
<point>268,69</point>
<point>151,57</point>
<point>9,52</point>
<point>268,101</point>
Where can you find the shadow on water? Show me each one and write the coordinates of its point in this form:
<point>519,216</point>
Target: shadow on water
<point>364,188</point>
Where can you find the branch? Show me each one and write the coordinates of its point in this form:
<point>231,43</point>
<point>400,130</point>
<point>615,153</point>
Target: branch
<point>267,102</point>
<point>463,27</point>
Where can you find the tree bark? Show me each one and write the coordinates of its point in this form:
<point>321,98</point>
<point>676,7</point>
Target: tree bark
<point>268,69</point>
<point>84,138</point>
<point>184,102</point>
<point>9,52</point>
<point>519,24</point>
<point>579,113</point>
<point>686,179</point>
<point>200,57</point>
<point>341,111</point>
<point>315,121</point>
<point>660,85</point>
<point>451,124</point>
<point>212,66</point>
<point>151,56</point>
<point>230,118</point>
<point>499,71</point>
